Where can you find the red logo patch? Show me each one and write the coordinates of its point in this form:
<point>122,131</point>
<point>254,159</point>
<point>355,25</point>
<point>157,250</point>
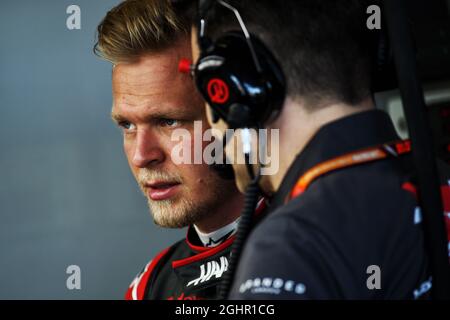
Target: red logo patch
<point>183,297</point>
<point>218,91</point>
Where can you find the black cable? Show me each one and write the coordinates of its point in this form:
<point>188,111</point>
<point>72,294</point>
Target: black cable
<point>245,225</point>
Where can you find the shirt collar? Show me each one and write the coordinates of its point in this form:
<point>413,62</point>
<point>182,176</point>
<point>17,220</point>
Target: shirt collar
<point>351,133</point>
<point>218,236</point>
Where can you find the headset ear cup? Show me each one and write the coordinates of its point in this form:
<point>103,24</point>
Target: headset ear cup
<point>227,74</point>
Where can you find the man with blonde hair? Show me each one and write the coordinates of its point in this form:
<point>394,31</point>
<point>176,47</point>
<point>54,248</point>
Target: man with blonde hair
<point>145,40</point>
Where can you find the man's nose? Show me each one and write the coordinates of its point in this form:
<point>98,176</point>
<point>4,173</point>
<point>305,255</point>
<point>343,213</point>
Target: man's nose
<point>148,150</point>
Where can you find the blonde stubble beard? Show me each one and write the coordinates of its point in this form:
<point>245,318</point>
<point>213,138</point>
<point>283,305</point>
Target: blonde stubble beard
<point>181,211</point>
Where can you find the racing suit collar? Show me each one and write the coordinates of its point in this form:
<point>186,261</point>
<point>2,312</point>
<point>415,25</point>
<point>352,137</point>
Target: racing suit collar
<point>218,236</point>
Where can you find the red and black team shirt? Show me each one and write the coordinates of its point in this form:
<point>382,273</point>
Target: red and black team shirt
<point>183,271</point>
<point>187,270</point>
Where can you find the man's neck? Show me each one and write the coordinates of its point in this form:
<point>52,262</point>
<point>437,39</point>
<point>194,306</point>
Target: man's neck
<point>297,126</point>
<point>228,211</point>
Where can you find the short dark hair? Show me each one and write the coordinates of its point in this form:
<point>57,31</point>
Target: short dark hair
<point>322,45</point>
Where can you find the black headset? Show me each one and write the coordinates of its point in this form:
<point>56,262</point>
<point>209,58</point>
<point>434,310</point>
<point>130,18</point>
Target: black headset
<point>237,75</point>
<point>245,86</point>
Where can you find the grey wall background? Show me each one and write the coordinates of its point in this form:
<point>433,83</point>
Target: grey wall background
<point>66,193</point>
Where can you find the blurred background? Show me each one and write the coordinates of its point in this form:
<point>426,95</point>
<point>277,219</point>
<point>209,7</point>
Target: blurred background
<point>67,196</point>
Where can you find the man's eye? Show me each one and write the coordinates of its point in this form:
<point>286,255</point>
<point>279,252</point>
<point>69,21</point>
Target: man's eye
<point>127,126</point>
<point>169,122</point>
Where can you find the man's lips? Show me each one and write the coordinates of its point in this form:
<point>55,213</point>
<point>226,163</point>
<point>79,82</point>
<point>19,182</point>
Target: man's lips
<point>161,190</point>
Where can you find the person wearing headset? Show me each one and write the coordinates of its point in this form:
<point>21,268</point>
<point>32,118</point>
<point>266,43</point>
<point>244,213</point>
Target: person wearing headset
<point>343,220</point>
<point>144,40</point>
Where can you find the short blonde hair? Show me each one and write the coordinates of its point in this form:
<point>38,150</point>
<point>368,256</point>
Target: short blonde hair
<point>137,27</point>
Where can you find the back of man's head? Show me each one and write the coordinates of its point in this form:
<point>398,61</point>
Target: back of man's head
<point>322,45</point>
